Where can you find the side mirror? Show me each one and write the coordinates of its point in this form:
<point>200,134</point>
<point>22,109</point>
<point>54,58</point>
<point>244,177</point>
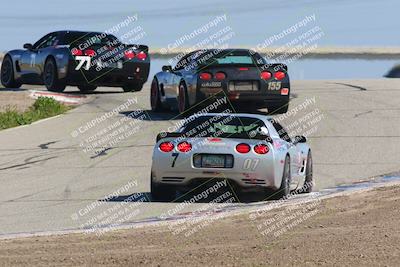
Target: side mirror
<point>28,46</point>
<point>167,68</point>
<point>300,139</point>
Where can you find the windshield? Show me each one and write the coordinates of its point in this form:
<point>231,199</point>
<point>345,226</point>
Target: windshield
<point>224,126</point>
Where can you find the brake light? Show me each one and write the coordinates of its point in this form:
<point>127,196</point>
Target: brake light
<point>261,149</point>
<point>76,52</point>
<point>205,76</point>
<point>243,148</point>
<point>265,75</point>
<point>279,75</point>
<point>90,52</point>
<point>166,147</point>
<point>184,147</point>
<point>129,54</point>
<point>284,91</point>
<point>243,68</point>
<point>142,55</point>
<point>220,76</point>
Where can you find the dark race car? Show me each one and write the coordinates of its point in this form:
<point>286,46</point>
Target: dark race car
<point>242,75</point>
<point>83,59</point>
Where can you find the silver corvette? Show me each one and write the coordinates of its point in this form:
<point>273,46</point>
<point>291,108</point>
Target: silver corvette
<point>252,152</point>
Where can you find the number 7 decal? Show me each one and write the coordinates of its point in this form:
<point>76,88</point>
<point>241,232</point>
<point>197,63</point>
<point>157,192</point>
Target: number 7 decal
<point>175,156</point>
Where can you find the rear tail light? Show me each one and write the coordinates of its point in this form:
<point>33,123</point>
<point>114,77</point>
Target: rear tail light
<point>261,149</point>
<point>243,148</point>
<point>220,76</point>
<point>90,52</point>
<point>142,55</point>
<point>129,54</point>
<point>279,75</point>
<point>76,52</point>
<point>184,147</point>
<point>166,147</point>
<point>284,91</point>
<point>205,76</point>
<point>265,75</point>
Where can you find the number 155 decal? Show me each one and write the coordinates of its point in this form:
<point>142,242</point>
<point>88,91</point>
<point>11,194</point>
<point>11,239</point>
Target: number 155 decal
<point>274,86</point>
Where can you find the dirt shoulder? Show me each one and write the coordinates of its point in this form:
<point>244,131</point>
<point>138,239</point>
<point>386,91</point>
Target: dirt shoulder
<point>356,230</point>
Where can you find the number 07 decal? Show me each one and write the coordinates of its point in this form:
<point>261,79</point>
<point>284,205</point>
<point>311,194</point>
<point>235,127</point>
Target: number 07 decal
<point>250,164</point>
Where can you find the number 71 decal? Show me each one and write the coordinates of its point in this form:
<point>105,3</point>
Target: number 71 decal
<point>82,60</point>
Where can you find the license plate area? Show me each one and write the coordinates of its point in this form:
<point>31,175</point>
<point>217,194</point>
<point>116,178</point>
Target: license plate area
<point>244,86</point>
<point>111,65</point>
<point>213,161</point>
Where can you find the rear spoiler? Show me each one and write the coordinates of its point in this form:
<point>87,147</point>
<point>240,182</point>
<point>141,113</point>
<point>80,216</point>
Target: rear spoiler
<point>164,135</point>
<point>274,66</point>
<point>143,48</point>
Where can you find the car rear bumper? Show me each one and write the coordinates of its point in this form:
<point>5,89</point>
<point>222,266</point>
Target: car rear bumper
<point>131,72</point>
<point>260,96</point>
<point>188,180</point>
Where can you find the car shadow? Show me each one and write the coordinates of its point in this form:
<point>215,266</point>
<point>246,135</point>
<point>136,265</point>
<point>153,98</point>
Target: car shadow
<point>92,93</point>
<point>225,196</point>
<point>13,89</point>
<point>149,115</point>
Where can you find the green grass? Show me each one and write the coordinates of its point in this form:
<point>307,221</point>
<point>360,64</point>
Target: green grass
<point>43,107</point>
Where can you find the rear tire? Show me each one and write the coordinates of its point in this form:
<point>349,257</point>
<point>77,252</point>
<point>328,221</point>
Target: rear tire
<point>7,74</point>
<point>309,181</point>
<point>132,87</point>
<point>50,77</point>
<point>278,108</point>
<point>162,192</point>
<point>87,88</point>
<point>183,103</point>
<point>284,189</point>
<point>155,100</point>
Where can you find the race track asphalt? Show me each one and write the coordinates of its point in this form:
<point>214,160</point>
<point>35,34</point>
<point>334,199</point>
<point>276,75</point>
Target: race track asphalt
<point>49,183</point>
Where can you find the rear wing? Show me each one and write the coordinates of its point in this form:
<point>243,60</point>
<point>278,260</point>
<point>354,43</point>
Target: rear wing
<point>274,66</point>
<point>164,135</point>
<point>143,48</point>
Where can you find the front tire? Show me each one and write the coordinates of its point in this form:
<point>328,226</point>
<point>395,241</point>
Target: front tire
<point>7,74</point>
<point>50,77</point>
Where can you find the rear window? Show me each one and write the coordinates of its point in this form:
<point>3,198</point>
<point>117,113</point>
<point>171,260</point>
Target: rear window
<point>223,57</point>
<point>234,60</point>
<point>77,38</point>
<point>223,126</point>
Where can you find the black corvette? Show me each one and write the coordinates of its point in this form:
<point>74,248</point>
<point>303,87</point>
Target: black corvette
<point>242,75</point>
<point>83,59</point>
